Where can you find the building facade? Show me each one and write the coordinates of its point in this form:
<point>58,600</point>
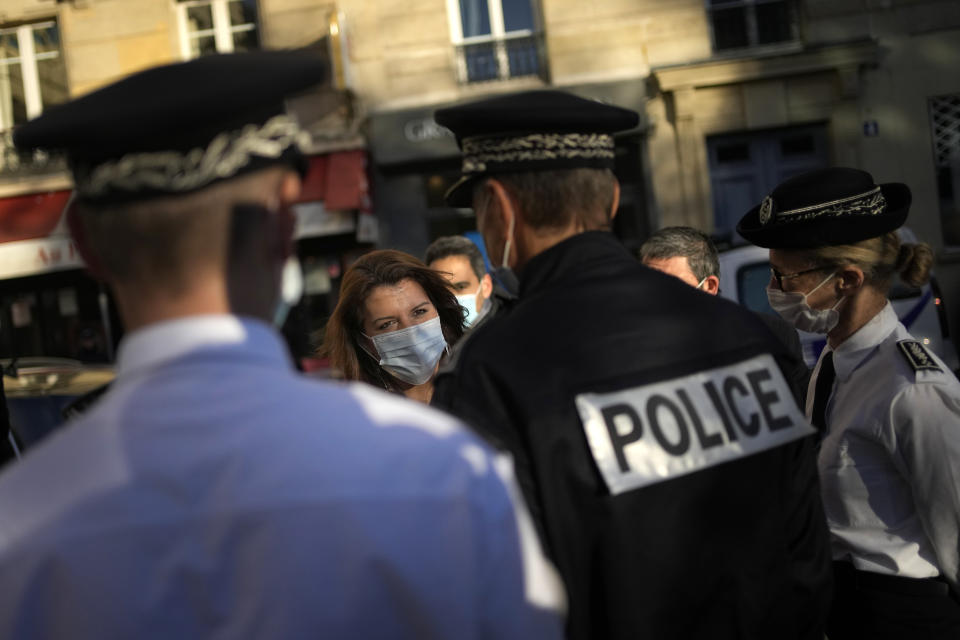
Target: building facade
<point>861,83</point>
<point>735,96</point>
<point>52,50</point>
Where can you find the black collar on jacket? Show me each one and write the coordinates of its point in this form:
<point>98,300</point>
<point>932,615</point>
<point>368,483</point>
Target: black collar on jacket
<point>571,257</point>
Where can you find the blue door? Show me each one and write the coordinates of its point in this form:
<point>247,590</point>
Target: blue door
<point>745,167</point>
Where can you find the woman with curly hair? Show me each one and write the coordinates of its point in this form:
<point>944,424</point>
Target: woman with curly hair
<point>395,319</point>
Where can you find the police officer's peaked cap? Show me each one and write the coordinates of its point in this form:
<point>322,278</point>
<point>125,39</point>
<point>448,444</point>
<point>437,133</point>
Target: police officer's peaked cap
<point>826,207</point>
<point>178,128</point>
<point>531,131</point>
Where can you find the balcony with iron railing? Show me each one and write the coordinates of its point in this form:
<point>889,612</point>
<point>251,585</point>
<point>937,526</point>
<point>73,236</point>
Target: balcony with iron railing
<point>514,55</point>
<point>16,165</point>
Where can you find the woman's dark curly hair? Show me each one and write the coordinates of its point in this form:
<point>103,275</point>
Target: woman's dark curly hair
<point>341,341</point>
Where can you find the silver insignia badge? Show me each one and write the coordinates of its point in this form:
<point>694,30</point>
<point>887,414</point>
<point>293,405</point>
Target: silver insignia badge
<point>766,209</point>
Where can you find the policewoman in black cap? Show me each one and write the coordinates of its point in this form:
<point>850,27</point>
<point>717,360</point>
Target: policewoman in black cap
<point>888,409</point>
<point>212,491</point>
<point>671,474</point>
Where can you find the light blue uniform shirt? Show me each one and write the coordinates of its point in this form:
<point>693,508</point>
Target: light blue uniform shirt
<point>890,462</point>
<point>215,493</point>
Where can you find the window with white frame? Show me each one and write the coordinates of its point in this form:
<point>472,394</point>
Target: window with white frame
<point>945,129</point>
<point>738,24</point>
<point>32,73</point>
<point>496,39</point>
<point>217,26</point>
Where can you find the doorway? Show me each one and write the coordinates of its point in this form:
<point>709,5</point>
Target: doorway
<point>745,167</point>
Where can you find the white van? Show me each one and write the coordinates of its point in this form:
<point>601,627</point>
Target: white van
<point>745,273</point>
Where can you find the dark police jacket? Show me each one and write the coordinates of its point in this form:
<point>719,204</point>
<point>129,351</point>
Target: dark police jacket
<point>667,466</point>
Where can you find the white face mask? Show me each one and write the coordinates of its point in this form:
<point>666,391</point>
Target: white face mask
<point>411,354</point>
<point>469,302</point>
<point>792,307</point>
<point>291,290</point>
<point>508,244</point>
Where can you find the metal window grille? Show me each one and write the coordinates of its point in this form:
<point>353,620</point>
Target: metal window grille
<point>945,131</point>
<point>491,43</point>
<point>513,56</point>
<point>945,125</point>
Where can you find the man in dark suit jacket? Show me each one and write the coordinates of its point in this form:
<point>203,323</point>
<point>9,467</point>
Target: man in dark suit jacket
<point>669,471</point>
<point>689,254</point>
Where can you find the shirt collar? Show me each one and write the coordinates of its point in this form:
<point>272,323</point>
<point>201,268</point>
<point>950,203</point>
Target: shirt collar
<point>577,254</point>
<point>162,342</point>
<point>857,347</point>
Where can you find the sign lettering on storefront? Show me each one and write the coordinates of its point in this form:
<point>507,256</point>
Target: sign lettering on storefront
<point>30,257</point>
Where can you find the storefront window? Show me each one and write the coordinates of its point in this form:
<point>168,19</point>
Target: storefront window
<point>55,315</point>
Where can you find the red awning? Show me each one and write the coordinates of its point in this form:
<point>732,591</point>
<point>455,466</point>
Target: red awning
<point>339,180</point>
<point>346,180</point>
<point>315,182</point>
<point>31,216</point>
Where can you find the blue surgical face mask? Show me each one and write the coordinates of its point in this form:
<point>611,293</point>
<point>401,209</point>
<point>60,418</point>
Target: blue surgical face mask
<point>469,302</point>
<point>411,354</point>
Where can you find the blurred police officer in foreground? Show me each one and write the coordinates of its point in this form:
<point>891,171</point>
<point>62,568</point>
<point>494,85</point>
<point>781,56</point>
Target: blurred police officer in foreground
<point>888,408</point>
<point>669,468</point>
<point>212,491</point>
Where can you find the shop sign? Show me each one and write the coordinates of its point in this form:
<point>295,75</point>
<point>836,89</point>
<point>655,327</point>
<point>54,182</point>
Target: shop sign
<point>30,257</point>
<point>410,136</point>
<point>424,129</point>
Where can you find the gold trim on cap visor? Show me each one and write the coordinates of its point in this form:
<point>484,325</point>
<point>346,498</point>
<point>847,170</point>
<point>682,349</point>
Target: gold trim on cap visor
<point>871,203</point>
<point>175,171</point>
<point>479,152</point>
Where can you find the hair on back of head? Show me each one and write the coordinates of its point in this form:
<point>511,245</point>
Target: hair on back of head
<point>162,242</point>
<point>558,198</point>
<point>446,246</point>
<point>687,242</point>
<point>881,258</point>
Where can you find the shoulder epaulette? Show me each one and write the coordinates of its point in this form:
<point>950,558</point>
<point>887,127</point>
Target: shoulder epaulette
<point>917,356</point>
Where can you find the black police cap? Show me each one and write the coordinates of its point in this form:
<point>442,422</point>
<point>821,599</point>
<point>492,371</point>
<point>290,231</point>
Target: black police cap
<point>531,131</point>
<point>180,127</point>
<point>826,207</point>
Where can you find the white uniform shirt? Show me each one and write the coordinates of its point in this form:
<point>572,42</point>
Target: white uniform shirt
<point>890,462</point>
<point>215,493</point>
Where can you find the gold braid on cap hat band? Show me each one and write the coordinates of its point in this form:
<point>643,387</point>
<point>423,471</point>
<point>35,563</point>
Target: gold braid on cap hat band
<point>871,203</point>
<point>175,171</point>
<point>478,152</point>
